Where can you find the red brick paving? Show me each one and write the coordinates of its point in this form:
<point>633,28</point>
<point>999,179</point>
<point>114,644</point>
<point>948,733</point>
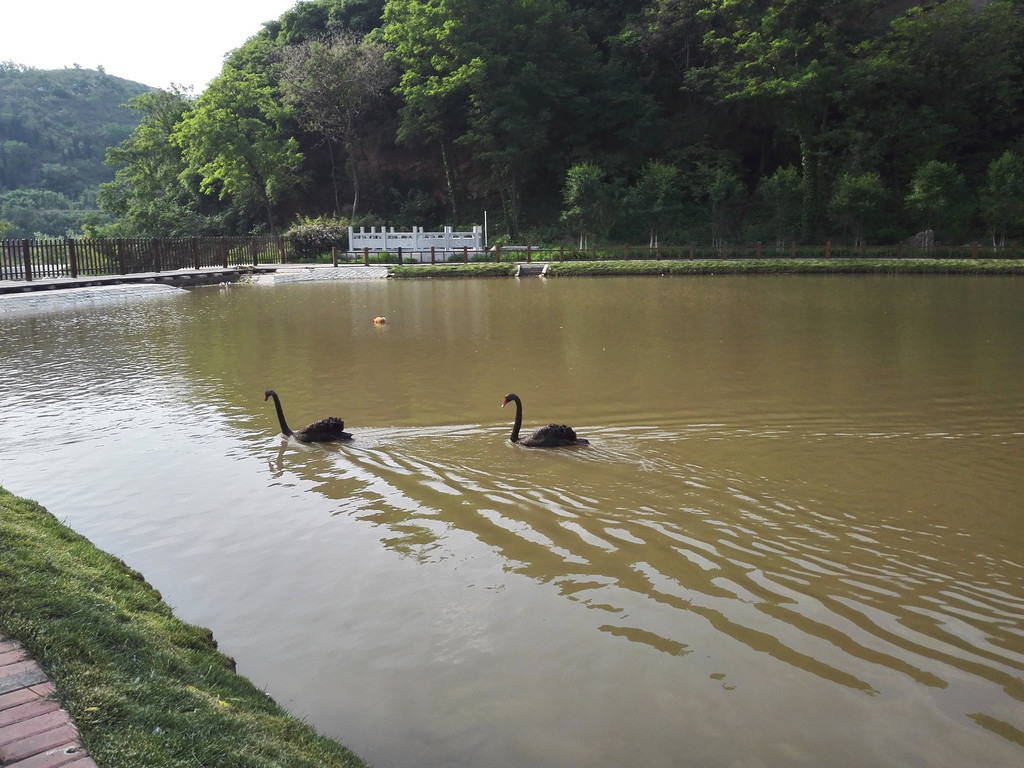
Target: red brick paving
<point>34,731</point>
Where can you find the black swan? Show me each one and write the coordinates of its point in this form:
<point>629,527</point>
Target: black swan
<point>327,430</point>
<point>551,436</point>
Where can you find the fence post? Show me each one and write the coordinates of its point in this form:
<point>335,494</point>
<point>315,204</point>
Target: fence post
<point>561,252</point>
<point>792,249</point>
<point>465,254</point>
<point>758,249</point>
<point>27,254</point>
<point>497,253</point>
<point>400,261</point>
<point>828,249</point>
<point>334,255</point>
<point>281,249</point>
<point>195,253</point>
<point>432,255</point>
<point>863,249</point>
<point>657,251</point>
<point>120,256</point>
<point>693,249</point>
<point>222,244</point>
<point>529,254</point>
<point>72,257</point>
<point>253,252</point>
<point>366,257</point>
<point>154,252</point>
<point>974,249</point>
<point>627,251</point>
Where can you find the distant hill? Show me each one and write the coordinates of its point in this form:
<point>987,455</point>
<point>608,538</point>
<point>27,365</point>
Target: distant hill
<point>55,127</point>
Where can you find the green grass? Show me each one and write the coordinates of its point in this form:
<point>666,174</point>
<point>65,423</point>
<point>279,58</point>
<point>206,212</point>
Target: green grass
<point>454,270</point>
<point>144,688</point>
<point>788,267</point>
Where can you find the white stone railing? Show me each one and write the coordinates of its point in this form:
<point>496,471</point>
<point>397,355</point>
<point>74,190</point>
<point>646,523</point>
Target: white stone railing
<point>415,243</point>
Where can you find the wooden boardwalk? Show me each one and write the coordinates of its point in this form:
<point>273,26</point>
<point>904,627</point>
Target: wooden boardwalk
<point>34,731</point>
<point>182,277</point>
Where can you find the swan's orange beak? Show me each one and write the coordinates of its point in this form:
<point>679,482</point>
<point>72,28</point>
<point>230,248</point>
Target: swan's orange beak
<point>504,402</point>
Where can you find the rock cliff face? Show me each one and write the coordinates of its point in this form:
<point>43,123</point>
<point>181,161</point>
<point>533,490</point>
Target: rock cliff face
<point>925,239</point>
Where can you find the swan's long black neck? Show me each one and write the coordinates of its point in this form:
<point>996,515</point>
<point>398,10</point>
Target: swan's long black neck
<point>280,413</point>
<point>517,425</point>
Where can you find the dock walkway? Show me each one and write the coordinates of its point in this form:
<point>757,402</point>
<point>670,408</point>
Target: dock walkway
<point>184,278</point>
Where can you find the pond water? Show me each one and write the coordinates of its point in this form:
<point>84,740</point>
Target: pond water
<point>795,539</point>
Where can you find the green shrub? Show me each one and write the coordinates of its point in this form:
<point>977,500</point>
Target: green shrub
<point>311,239</point>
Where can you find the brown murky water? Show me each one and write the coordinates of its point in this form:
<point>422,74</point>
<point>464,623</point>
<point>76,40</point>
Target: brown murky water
<point>796,538</point>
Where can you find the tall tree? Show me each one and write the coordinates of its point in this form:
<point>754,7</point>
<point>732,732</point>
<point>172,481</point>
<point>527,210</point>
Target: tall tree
<point>586,199</point>
<point>944,82</point>
<point>655,197</point>
<point>502,79</point>
<point>785,57</point>
<point>857,203</point>
<point>436,79</point>
<point>332,84</point>
<point>719,188</point>
<point>935,193</point>
<point>781,194</point>
<point>152,192</point>
<point>235,140</point>
<point>1002,197</point>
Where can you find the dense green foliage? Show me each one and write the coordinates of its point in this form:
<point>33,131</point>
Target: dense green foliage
<point>55,128</point>
<point>591,121</point>
<point>144,688</point>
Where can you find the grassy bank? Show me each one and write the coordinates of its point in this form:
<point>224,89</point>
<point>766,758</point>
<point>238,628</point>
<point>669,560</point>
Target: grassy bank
<point>732,267</point>
<point>454,270</point>
<point>791,267</point>
<point>144,688</point>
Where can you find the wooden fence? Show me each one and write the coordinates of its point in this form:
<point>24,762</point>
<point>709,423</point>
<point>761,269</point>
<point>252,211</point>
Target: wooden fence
<point>89,257</point>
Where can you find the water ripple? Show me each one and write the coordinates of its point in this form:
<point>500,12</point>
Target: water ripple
<point>842,593</point>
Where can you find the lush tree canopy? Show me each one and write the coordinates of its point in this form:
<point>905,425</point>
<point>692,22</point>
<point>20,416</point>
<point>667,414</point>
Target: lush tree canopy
<point>771,120</point>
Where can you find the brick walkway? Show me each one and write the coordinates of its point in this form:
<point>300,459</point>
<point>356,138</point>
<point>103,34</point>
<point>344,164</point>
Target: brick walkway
<point>34,731</point>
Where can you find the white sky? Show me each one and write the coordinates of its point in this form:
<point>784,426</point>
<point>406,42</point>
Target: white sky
<point>154,43</point>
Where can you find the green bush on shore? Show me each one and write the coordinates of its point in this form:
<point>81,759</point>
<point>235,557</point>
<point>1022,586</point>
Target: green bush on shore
<point>144,688</point>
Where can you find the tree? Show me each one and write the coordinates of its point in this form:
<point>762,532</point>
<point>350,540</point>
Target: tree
<point>786,58</point>
<point>946,80</point>
<point>1002,197</point>
<point>151,193</point>
<point>857,202</point>
<point>655,197</point>
<point>935,192</point>
<point>235,140</point>
<point>718,187</point>
<point>436,79</point>
<point>585,198</point>
<point>510,83</point>
<point>332,84</point>
<point>312,19</point>
<point>782,195</point>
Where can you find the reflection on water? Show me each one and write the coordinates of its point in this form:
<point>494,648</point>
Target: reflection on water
<point>826,571</point>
